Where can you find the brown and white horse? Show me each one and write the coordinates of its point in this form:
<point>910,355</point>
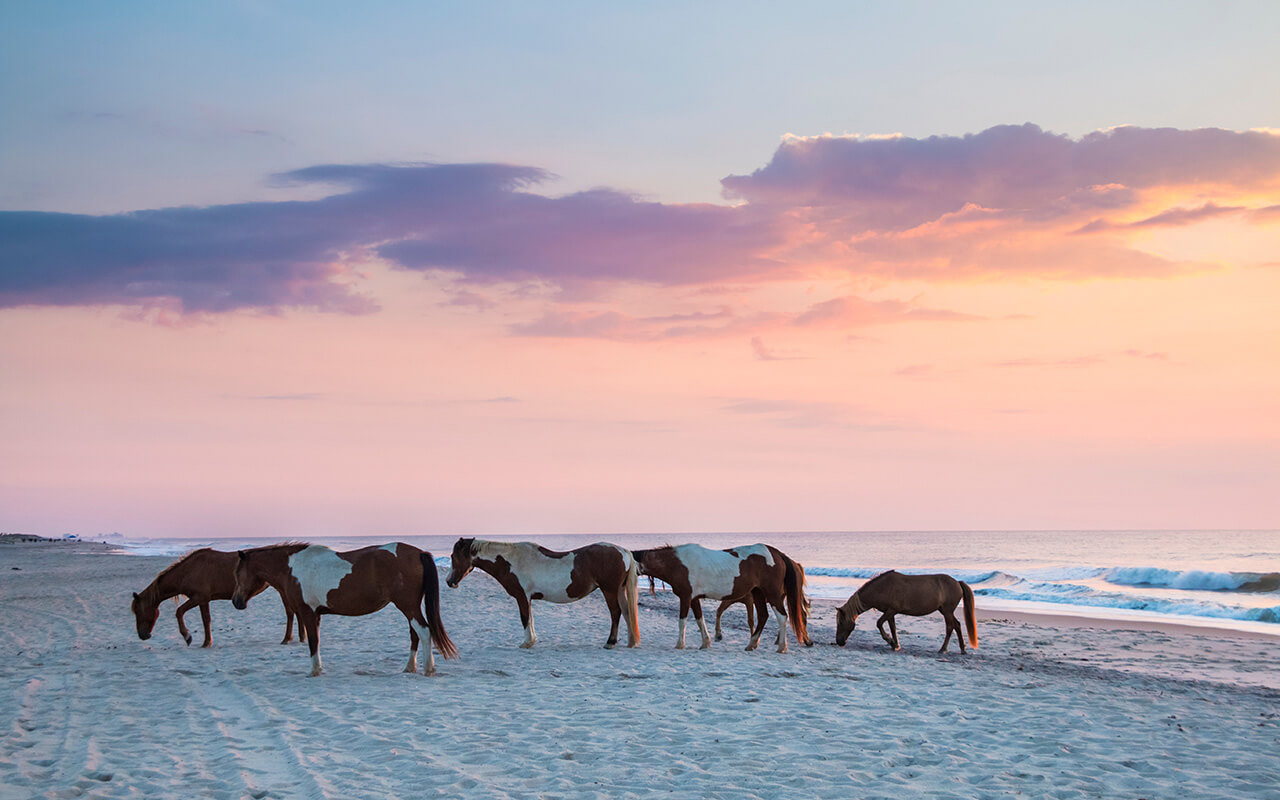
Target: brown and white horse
<point>914,595</point>
<point>531,572</point>
<point>201,576</point>
<point>758,573</point>
<point>315,580</point>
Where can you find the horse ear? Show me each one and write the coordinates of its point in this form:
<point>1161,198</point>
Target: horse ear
<point>243,555</point>
<point>135,595</point>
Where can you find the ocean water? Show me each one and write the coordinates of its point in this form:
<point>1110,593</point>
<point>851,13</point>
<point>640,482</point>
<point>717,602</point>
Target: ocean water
<point>1218,579</point>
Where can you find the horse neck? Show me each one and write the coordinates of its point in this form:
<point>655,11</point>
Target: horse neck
<point>161,589</point>
<point>855,606</point>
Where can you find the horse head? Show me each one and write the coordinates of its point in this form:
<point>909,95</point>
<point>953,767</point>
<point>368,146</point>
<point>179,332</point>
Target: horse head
<point>461,562</point>
<point>846,620</point>
<point>248,582</point>
<point>145,613</point>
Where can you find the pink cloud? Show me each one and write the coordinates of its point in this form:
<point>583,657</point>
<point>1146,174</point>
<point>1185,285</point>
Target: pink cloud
<point>989,204</point>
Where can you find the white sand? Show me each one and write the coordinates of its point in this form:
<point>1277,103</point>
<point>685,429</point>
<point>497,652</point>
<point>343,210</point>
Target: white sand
<point>86,709</point>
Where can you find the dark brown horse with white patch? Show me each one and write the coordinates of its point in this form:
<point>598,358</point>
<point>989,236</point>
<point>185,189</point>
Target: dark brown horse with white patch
<point>315,580</point>
<point>531,572</point>
<point>201,576</point>
<point>914,595</point>
<point>758,573</point>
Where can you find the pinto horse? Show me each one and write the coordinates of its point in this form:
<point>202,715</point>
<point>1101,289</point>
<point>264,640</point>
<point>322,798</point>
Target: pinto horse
<point>914,595</point>
<point>531,572</point>
<point>751,614</point>
<point>758,573</point>
<point>315,580</point>
<point>202,576</point>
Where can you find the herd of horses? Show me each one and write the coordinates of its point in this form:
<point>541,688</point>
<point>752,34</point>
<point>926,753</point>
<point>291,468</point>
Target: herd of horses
<point>314,580</point>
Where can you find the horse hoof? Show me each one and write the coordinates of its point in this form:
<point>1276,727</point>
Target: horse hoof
<point>719,637</point>
<point>206,645</point>
<point>526,645</point>
<point>315,673</point>
<point>633,644</point>
<point>680,646</point>
<point>610,645</point>
<point>428,672</point>
<point>187,638</point>
<point>705,646</point>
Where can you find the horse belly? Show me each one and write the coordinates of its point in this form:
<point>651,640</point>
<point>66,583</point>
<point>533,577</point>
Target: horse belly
<point>549,578</point>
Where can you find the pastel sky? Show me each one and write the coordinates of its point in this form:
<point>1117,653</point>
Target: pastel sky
<point>307,269</point>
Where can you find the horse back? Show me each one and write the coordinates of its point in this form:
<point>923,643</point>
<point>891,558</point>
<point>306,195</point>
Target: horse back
<point>913,595</point>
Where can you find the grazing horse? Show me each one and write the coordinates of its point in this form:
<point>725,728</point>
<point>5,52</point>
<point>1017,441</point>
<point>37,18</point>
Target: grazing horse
<point>914,595</point>
<point>757,573</point>
<point>315,580</point>
<point>531,572</point>
<point>201,576</point>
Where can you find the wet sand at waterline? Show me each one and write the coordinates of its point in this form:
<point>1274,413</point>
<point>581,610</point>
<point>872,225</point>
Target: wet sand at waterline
<point>1046,707</point>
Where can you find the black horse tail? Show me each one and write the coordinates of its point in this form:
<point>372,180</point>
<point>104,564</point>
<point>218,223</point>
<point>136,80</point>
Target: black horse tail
<point>793,583</point>
<point>970,621</point>
<point>431,601</point>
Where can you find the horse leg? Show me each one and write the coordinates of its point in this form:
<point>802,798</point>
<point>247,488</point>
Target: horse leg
<point>208,629</point>
<point>412,666</point>
<point>615,614</point>
<point>288,623</point>
<point>953,624</point>
<point>780,613</point>
<point>762,614</point>
<point>893,627</point>
<point>880,623</point>
<point>526,619</point>
<point>182,624</point>
<point>309,622</point>
<point>702,625</point>
<point>720,613</point>
<point>684,620</point>
<point>423,631</point>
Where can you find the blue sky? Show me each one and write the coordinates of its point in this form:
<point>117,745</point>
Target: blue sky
<point>113,106</point>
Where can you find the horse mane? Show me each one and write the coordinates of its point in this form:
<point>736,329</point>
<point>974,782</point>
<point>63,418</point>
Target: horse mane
<point>278,546</point>
<point>875,578</point>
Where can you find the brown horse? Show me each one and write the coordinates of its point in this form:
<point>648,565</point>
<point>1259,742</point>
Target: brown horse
<point>759,573</point>
<point>202,576</point>
<point>914,595</point>
<point>531,572</point>
<point>315,580</point>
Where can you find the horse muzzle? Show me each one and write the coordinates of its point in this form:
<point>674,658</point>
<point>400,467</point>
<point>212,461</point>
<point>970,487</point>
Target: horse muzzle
<point>239,603</point>
<point>144,636</point>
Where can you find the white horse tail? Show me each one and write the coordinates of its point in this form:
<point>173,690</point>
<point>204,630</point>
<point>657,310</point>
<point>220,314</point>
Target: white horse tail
<point>631,599</point>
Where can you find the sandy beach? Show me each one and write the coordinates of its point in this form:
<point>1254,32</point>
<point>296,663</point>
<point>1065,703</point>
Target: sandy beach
<point>1045,708</point>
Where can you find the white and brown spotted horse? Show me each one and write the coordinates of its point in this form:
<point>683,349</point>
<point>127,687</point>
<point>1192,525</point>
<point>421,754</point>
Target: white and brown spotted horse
<point>759,573</point>
<point>201,576</point>
<point>751,613</point>
<point>531,572</point>
<point>315,580</point>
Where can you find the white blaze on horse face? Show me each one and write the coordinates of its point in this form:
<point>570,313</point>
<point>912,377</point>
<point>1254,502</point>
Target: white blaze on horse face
<point>318,571</point>
<point>711,572</point>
